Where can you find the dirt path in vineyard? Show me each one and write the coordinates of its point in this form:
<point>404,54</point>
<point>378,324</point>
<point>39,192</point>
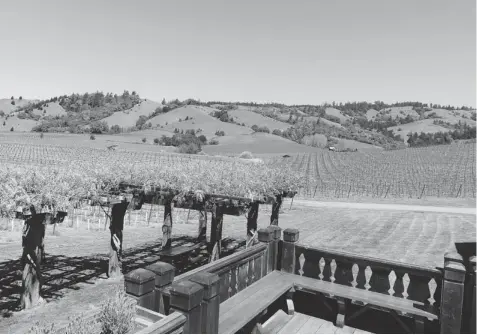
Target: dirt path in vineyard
<point>385,207</point>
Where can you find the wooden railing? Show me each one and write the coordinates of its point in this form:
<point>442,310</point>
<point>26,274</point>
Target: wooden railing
<point>376,275</point>
<point>439,291</point>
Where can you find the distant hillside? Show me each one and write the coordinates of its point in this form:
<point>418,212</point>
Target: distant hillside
<point>352,125</point>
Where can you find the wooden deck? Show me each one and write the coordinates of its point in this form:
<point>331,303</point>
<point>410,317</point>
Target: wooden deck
<point>305,324</point>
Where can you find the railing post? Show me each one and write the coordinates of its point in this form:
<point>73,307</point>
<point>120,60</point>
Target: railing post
<point>265,235</point>
<point>139,285</point>
<point>211,303</point>
<point>164,273</point>
<point>452,298</point>
<point>471,295</point>
<point>186,297</point>
<point>290,237</point>
<point>277,234</point>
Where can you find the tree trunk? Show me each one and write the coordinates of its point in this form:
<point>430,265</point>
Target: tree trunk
<point>167,226</point>
<point>202,226</point>
<point>275,211</point>
<point>116,226</point>
<point>252,219</point>
<point>215,245</point>
<point>33,236</point>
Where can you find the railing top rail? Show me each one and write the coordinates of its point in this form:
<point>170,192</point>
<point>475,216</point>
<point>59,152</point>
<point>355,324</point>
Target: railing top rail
<point>375,262</point>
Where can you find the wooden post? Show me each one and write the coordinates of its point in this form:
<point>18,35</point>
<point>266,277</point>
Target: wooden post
<point>167,225</point>
<point>290,237</point>
<point>276,210</point>
<point>277,234</point>
<point>139,285</point>
<point>202,226</point>
<point>186,297</point>
<point>164,273</point>
<point>266,236</point>
<point>252,219</point>
<point>471,296</point>
<point>452,294</point>
<point>215,246</point>
<point>211,303</point>
<point>116,227</point>
<point>33,235</point>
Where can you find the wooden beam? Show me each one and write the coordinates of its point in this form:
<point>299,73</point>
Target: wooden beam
<point>116,227</point>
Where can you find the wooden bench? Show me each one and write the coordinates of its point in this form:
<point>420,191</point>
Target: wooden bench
<point>250,303</point>
<point>179,253</point>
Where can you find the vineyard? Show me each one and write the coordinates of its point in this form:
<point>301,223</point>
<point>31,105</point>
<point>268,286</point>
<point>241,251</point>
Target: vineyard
<point>439,171</point>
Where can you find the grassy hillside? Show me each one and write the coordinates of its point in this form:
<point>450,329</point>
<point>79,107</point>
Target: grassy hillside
<point>352,125</point>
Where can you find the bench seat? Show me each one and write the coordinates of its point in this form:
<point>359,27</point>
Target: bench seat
<point>246,305</point>
<point>367,297</point>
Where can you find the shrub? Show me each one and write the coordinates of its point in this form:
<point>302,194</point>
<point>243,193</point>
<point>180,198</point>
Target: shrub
<point>203,139</point>
<point>115,129</point>
<point>41,135</point>
<point>11,129</point>
<point>141,121</point>
<point>92,137</point>
<point>99,127</point>
<point>213,142</point>
<point>156,141</point>
<point>144,140</point>
<point>13,102</point>
<point>219,133</point>
<point>246,155</point>
<point>117,314</point>
<point>190,148</point>
<point>76,325</point>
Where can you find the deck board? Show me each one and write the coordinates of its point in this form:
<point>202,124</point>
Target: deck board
<point>306,324</point>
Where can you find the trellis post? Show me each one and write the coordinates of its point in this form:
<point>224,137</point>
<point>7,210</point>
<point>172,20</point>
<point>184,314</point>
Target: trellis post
<point>116,227</point>
<point>276,210</point>
<point>252,219</point>
<point>167,225</point>
<point>216,231</point>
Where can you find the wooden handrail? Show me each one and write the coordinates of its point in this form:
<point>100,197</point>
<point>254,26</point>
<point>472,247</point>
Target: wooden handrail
<point>224,264</point>
<point>170,324</point>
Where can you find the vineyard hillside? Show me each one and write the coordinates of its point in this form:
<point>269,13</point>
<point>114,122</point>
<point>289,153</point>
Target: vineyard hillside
<point>257,143</point>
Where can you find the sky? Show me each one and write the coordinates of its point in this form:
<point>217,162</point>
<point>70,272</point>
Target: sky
<point>292,52</point>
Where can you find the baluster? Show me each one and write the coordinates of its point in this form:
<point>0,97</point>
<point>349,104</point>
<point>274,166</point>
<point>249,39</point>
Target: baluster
<point>230,283</point>
<point>405,282</point>
<point>333,270</point>
<point>354,270</point>
<point>237,270</point>
<point>321,265</point>
<point>392,281</point>
<point>247,265</point>
<point>432,290</point>
<point>301,259</point>
<point>367,274</point>
<point>252,271</point>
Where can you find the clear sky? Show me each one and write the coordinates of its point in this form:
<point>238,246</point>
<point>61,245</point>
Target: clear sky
<point>295,52</point>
